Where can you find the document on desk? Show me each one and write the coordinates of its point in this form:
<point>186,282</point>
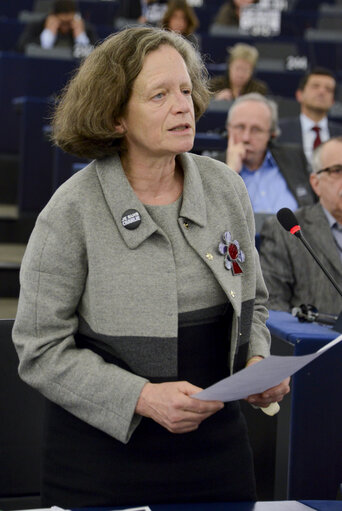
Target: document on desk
<point>282,505</point>
<point>260,376</point>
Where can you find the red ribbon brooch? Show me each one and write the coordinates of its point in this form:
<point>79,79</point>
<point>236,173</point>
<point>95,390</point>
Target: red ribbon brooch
<point>232,253</point>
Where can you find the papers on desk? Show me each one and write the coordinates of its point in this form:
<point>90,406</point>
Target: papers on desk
<point>142,508</point>
<point>286,505</point>
<point>260,376</point>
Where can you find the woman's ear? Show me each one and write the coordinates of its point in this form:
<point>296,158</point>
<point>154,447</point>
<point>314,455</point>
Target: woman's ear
<point>119,126</point>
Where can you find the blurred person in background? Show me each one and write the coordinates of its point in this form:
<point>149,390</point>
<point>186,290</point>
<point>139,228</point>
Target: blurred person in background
<point>316,95</point>
<point>152,11</point>
<point>291,274</point>
<point>275,175</point>
<point>181,18</point>
<point>229,12</point>
<point>64,27</point>
<point>238,79</point>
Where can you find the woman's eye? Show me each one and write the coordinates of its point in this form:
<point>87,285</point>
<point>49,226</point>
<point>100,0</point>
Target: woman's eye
<point>187,91</point>
<point>160,95</point>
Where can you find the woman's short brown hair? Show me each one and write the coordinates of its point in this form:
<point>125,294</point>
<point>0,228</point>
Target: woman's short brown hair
<point>190,16</point>
<point>84,119</point>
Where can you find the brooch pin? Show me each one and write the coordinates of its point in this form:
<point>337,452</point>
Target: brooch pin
<point>232,253</point>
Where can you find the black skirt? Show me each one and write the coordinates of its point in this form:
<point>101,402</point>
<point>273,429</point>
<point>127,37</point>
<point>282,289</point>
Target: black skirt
<point>82,466</point>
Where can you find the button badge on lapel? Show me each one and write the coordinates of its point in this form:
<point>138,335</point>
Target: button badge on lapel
<point>232,253</point>
<point>131,219</point>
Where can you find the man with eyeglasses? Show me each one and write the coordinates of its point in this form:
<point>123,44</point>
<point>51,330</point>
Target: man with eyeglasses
<point>276,176</point>
<point>291,275</point>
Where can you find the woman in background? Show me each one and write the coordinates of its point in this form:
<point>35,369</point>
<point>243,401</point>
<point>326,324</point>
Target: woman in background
<point>229,13</point>
<point>181,18</point>
<point>238,79</point>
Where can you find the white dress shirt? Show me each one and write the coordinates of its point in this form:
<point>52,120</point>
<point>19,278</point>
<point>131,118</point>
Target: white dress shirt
<point>309,135</point>
<point>48,38</point>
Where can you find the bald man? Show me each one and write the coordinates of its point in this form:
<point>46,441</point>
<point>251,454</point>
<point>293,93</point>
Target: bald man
<point>291,275</point>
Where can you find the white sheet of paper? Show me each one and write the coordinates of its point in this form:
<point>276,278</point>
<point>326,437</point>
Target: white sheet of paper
<point>289,505</point>
<point>259,377</point>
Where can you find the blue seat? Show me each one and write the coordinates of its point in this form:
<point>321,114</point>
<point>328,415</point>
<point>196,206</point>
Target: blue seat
<point>98,13</point>
<point>26,76</point>
<point>10,30</point>
<point>12,9</point>
<point>35,155</point>
<point>64,166</point>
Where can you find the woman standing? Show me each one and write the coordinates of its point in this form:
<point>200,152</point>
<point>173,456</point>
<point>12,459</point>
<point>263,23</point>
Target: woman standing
<point>133,294</point>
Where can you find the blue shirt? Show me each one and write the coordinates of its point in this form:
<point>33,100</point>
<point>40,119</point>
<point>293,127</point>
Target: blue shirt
<point>267,187</point>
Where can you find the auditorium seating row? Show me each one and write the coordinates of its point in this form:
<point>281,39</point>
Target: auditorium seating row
<point>27,76</point>
<point>319,50</point>
<point>27,90</point>
<point>28,87</point>
<point>294,22</point>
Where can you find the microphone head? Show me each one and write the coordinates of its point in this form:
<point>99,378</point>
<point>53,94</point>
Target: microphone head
<point>288,220</point>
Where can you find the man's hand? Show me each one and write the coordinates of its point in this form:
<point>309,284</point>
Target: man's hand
<point>77,25</point>
<point>235,154</point>
<point>52,23</point>
<point>170,405</point>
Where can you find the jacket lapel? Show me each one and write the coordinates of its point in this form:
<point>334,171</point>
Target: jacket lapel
<point>203,240</point>
<point>120,197</point>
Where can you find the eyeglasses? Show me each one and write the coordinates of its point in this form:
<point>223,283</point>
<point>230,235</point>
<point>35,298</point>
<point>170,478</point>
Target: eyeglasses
<point>255,131</point>
<point>334,171</point>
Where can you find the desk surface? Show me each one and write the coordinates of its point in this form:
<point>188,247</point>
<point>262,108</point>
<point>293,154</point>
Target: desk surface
<point>286,326</point>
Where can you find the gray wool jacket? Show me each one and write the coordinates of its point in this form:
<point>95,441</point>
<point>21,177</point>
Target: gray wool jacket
<point>83,271</point>
<point>291,274</point>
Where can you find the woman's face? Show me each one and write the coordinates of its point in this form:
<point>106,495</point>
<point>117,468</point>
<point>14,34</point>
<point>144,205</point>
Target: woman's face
<point>159,120</point>
<point>178,22</point>
<point>240,72</point>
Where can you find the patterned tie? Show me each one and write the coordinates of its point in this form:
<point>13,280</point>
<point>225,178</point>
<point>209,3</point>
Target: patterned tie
<point>317,140</point>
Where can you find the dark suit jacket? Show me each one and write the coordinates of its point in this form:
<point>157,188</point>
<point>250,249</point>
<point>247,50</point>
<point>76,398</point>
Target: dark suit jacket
<point>291,131</point>
<point>293,166</point>
<point>291,274</point>
<point>32,33</point>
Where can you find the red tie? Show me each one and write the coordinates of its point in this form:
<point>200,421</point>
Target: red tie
<point>317,140</point>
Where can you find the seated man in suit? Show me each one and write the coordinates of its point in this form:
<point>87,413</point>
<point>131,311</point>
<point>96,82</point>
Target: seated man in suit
<point>291,274</point>
<point>316,91</point>
<point>64,27</point>
<point>275,175</point>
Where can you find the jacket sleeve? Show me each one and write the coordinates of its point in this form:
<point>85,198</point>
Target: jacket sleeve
<point>30,35</point>
<point>53,277</point>
<point>276,265</point>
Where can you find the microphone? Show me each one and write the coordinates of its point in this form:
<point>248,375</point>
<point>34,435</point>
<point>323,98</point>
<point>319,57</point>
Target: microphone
<point>289,222</point>
<point>308,312</point>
